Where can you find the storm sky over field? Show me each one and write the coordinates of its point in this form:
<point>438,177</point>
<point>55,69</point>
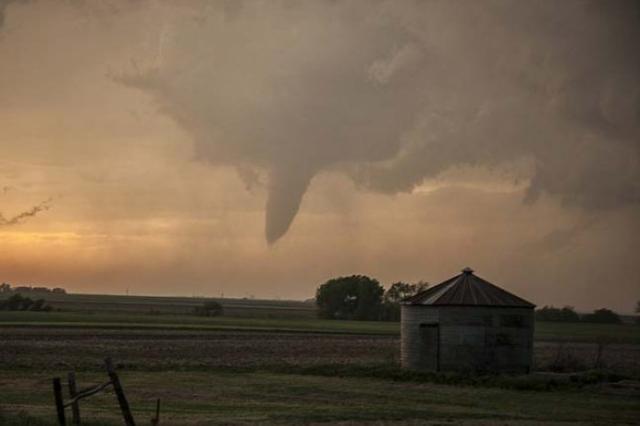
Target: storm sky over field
<point>260,148</point>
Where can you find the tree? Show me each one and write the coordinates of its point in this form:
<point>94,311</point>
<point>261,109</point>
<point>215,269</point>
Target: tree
<point>399,291</point>
<point>549,313</point>
<point>18,302</point>
<point>14,303</point>
<point>395,294</point>
<point>357,297</point>
<point>604,315</point>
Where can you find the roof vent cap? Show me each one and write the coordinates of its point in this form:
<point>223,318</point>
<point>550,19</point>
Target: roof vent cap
<point>467,270</point>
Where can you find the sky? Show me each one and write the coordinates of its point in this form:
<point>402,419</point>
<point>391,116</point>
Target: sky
<point>260,148</point>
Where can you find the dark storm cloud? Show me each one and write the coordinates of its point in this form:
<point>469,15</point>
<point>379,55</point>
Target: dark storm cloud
<point>3,7</point>
<point>467,107</point>
<point>558,82</point>
<point>394,93</point>
<point>25,215</point>
<point>397,92</point>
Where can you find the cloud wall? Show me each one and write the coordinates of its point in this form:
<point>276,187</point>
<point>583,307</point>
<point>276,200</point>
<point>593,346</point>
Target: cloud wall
<point>393,93</point>
<point>398,139</point>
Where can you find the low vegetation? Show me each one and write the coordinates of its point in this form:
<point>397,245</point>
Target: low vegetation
<point>8,288</point>
<point>602,316</point>
<point>274,362</point>
<point>209,309</point>
<point>229,370</point>
<point>218,397</point>
<point>544,331</point>
<point>17,302</point>
<point>568,314</point>
<point>550,313</point>
<point>176,305</point>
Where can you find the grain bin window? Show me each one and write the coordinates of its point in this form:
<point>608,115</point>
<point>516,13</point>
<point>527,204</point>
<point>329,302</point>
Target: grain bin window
<point>516,321</point>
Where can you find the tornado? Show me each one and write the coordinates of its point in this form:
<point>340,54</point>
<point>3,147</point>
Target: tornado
<point>287,187</point>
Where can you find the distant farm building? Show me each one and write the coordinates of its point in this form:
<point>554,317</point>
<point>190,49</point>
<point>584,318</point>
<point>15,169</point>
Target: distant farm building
<point>467,324</point>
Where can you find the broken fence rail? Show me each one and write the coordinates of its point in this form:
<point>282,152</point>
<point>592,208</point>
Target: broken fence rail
<point>76,396</point>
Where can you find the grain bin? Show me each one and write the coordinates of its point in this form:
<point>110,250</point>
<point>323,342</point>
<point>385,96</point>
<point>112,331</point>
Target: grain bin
<point>467,324</point>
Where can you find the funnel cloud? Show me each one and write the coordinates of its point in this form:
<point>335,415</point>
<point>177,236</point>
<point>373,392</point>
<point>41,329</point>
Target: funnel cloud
<point>394,93</point>
<point>261,147</point>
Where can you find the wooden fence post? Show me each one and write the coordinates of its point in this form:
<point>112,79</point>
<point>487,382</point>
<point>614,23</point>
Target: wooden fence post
<point>117,387</point>
<point>75,406</point>
<point>57,394</point>
<point>156,420</point>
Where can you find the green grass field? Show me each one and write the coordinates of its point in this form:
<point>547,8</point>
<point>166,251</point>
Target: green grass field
<point>252,314</point>
<point>273,362</point>
<point>189,322</point>
<point>189,398</point>
<point>545,331</point>
<point>248,308</point>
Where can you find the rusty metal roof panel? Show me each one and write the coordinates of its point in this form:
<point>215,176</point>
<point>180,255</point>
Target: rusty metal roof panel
<point>467,289</point>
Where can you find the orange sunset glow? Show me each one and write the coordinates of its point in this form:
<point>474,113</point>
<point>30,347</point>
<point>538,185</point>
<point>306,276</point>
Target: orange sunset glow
<point>207,148</point>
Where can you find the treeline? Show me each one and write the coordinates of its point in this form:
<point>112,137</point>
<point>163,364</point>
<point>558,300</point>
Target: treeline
<point>17,302</point>
<point>568,314</point>
<point>359,297</point>
<point>7,288</point>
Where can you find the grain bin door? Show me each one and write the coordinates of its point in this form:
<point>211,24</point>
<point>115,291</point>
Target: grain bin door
<point>430,347</point>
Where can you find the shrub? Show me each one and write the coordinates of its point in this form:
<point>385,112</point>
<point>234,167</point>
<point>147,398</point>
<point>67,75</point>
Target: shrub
<point>566,361</point>
<point>209,309</point>
<point>550,313</point>
<point>604,316</point>
<point>17,302</point>
<point>38,305</point>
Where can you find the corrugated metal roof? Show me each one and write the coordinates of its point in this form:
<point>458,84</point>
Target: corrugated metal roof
<point>467,289</point>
